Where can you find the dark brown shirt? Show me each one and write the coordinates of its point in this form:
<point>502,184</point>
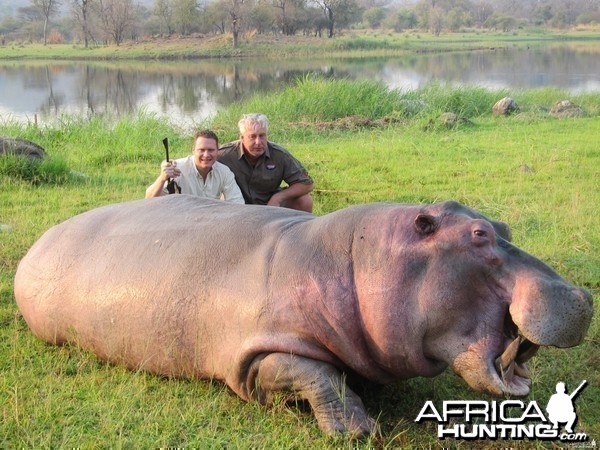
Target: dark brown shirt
<point>258,183</point>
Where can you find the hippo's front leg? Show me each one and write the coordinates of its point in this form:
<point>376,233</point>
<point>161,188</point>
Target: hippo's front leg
<point>335,406</point>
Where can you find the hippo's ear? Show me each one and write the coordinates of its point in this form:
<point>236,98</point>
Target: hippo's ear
<point>425,224</point>
<point>503,230</point>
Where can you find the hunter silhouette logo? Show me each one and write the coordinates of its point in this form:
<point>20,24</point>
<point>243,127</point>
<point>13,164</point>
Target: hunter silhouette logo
<point>560,407</point>
<point>508,419</point>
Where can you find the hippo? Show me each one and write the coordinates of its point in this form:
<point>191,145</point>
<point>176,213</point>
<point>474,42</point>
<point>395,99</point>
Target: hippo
<point>271,300</point>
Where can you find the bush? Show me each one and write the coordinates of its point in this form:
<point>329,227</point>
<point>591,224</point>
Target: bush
<point>35,171</point>
<point>55,37</point>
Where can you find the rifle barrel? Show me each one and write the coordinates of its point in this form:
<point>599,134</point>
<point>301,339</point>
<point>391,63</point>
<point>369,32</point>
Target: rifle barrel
<point>574,393</point>
<point>166,144</point>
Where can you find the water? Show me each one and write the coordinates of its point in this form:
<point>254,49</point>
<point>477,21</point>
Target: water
<point>189,92</point>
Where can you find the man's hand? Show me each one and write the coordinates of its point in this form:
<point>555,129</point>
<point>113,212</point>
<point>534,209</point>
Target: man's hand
<point>295,196</point>
<point>168,169</point>
<point>276,200</point>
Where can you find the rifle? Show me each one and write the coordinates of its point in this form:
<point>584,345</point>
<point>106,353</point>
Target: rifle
<point>579,388</point>
<point>172,186</point>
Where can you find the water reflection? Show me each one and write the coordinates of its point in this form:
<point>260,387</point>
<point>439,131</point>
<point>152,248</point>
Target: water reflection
<point>188,92</point>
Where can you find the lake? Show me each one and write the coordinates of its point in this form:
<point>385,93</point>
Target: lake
<point>189,92</point>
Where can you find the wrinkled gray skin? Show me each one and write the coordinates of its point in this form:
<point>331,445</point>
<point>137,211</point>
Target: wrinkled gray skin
<point>269,299</point>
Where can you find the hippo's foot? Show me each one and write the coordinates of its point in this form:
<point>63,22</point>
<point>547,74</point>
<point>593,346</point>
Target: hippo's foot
<point>336,408</point>
<point>344,414</point>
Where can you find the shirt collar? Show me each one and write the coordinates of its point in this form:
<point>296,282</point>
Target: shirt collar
<point>267,153</point>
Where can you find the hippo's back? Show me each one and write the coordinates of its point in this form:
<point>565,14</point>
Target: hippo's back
<point>141,283</point>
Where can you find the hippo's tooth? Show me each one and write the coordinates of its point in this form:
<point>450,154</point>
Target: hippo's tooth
<point>508,373</point>
<point>510,363</point>
<point>510,353</point>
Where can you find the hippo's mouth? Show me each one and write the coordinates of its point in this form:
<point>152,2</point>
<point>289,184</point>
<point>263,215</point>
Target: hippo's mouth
<point>510,366</point>
<point>500,369</point>
<point>511,372</point>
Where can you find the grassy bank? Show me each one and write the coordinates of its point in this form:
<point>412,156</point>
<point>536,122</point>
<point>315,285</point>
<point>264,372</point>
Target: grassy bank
<point>348,44</point>
<point>535,172</point>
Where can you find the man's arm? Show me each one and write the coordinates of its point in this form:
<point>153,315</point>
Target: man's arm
<point>156,188</point>
<point>292,192</point>
<point>231,191</point>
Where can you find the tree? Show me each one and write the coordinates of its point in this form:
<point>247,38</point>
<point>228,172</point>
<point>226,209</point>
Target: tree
<point>9,25</point>
<point>47,8</point>
<point>236,20</point>
<point>116,17</point>
<point>436,20</point>
<point>501,22</point>
<point>31,21</point>
<point>336,12</point>
<point>289,18</point>
<point>457,18</point>
<point>262,17</point>
<point>215,16</point>
<point>163,9</point>
<point>329,7</point>
<point>374,16</point>
<point>236,14</point>
<point>401,19</point>
<point>185,15</point>
<point>542,15</point>
<point>481,11</point>
<point>80,9</point>
<point>565,15</point>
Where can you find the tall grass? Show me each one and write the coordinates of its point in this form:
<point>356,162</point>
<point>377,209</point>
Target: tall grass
<point>537,173</point>
<point>49,170</point>
<point>313,104</point>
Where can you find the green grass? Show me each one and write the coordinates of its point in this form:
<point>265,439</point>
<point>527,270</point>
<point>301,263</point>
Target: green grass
<point>535,172</point>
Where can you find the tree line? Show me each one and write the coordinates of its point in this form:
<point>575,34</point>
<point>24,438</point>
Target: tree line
<point>100,22</point>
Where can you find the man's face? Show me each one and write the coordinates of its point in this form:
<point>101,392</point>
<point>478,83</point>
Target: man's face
<point>205,153</point>
<point>254,140</point>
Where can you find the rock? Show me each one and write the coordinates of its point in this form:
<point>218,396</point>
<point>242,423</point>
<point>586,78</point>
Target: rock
<point>505,107</point>
<point>566,108</point>
<point>21,147</point>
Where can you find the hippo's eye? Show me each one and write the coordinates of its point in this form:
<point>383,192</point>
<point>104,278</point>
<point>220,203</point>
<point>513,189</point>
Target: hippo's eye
<point>480,233</point>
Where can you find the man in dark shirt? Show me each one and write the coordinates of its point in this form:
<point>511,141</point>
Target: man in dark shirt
<point>260,167</point>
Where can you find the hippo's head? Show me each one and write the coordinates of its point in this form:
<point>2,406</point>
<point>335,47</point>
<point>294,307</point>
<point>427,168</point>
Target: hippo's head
<point>476,302</point>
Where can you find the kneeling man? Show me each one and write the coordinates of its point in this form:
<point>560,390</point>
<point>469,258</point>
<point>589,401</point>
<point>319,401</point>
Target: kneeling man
<point>260,166</point>
<point>199,173</point>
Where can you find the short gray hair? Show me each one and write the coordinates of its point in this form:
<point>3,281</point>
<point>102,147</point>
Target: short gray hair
<point>251,120</point>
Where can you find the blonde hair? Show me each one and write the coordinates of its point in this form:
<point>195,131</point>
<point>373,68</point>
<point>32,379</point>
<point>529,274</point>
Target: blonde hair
<point>251,120</point>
